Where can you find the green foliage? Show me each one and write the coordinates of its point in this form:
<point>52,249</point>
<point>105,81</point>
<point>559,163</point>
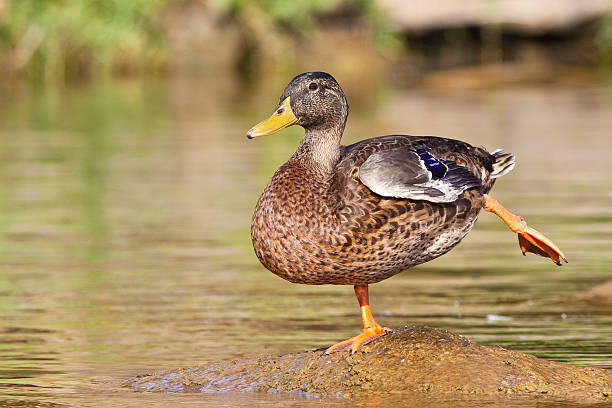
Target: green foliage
<point>386,38</point>
<point>300,15</point>
<point>604,39</point>
<point>297,14</point>
<point>55,38</point>
<point>268,26</point>
<point>52,40</point>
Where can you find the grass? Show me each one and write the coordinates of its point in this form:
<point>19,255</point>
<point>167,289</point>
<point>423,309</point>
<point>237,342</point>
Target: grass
<point>53,39</point>
<point>57,40</point>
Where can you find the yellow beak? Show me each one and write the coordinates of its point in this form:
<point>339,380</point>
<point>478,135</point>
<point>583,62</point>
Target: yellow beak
<point>280,119</point>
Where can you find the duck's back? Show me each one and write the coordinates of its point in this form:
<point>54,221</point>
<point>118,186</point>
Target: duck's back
<point>316,229</point>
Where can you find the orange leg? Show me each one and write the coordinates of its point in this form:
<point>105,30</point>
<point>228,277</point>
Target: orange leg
<point>530,240</point>
<point>371,329</point>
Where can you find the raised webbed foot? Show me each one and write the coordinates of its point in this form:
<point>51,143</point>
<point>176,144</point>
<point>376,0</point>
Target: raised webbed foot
<point>530,239</point>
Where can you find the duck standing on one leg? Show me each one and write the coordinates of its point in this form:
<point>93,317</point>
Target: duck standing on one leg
<point>358,214</point>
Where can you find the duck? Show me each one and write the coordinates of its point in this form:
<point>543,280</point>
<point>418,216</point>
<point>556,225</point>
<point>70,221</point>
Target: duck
<point>359,214</point>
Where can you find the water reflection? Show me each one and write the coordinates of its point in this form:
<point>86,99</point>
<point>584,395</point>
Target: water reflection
<point>125,244</point>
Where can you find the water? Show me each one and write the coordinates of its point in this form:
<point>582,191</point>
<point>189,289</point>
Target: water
<point>125,248</point>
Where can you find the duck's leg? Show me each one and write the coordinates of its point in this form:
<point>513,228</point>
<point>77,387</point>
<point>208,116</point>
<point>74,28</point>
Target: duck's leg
<point>530,240</point>
<point>371,329</point>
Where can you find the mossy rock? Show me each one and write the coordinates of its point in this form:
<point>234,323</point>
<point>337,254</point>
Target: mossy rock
<point>412,360</point>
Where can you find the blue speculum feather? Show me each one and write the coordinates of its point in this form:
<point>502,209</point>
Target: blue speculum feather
<point>437,168</point>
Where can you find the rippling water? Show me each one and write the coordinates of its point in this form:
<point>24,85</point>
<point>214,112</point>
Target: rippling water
<point>125,246</point>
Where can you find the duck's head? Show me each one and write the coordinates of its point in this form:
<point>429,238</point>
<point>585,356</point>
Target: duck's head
<point>313,100</point>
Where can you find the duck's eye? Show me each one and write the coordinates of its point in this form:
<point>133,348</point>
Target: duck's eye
<point>313,86</point>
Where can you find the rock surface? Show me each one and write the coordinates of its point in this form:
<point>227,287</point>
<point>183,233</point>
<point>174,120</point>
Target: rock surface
<point>601,294</point>
<point>412,360</point>
<point>520,15</point>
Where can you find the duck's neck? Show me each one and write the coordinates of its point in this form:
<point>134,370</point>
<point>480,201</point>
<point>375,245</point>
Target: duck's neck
<point>320,149</point>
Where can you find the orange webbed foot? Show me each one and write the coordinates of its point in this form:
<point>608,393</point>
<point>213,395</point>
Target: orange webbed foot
<point>530,239</point>
<point>367,335</point>
<point>371,329</point>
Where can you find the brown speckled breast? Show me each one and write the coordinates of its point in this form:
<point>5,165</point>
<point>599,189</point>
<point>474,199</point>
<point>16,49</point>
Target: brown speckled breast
<point>318,228</point>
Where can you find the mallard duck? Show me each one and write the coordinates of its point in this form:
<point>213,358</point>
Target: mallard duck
<point>358,214</point>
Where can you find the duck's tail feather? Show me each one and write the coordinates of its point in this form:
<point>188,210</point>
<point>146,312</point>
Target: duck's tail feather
<point>504,162</point>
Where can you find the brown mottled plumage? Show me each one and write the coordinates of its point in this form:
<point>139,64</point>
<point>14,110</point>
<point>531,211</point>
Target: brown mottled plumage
<point>318,220</point>
<point>328,228</point>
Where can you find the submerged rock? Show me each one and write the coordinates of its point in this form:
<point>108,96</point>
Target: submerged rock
<point>412,360</point>
<point>601,294</point>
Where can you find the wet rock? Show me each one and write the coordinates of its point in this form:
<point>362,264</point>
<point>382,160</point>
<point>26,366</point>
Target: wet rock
<point>601,294</point>
<point>412,360</point>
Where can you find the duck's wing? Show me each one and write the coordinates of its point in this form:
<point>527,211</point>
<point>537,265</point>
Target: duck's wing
<point>416,174</point>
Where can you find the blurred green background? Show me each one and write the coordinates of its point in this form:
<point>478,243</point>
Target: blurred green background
<point>53,40</point>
